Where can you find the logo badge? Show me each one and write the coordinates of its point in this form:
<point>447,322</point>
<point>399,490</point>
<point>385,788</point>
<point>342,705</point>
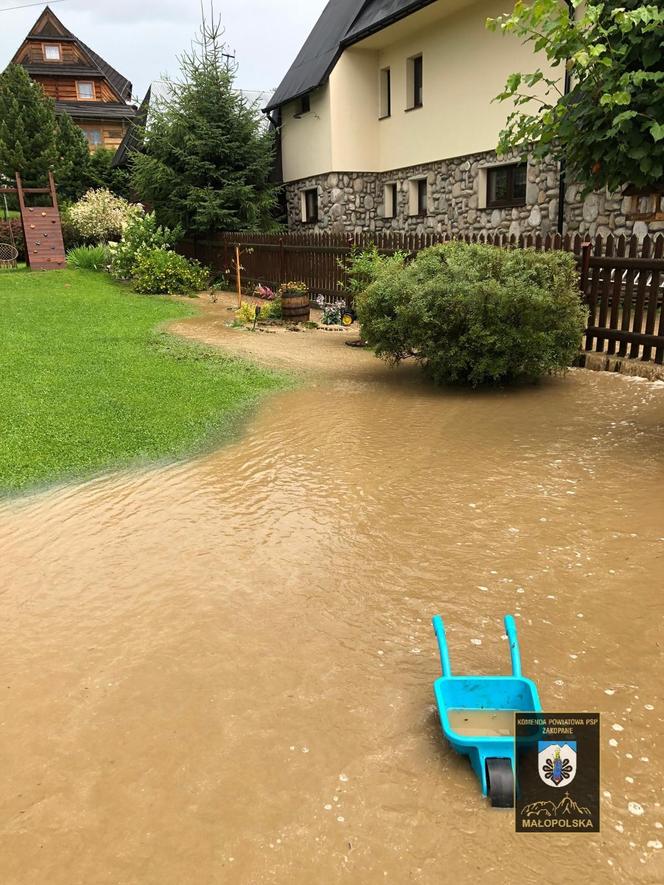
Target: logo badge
<point>557,763</point>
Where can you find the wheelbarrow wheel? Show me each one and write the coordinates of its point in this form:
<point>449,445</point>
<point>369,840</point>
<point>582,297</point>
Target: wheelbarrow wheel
<point>500,782</point>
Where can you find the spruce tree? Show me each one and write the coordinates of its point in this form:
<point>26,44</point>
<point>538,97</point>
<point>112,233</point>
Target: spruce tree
<point>73,158</point>
<point>207,159</point>
<point>28,129</point>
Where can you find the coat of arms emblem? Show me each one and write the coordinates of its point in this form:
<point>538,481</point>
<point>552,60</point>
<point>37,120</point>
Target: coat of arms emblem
<point>557,764</point>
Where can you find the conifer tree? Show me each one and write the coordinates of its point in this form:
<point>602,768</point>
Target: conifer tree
<point>73,158</point>
<point>207,158</point>
<point>28,130</point>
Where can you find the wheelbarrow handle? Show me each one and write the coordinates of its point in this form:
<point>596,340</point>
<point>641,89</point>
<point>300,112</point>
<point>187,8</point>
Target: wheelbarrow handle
<point>515,654</point>
<point>439,630</point>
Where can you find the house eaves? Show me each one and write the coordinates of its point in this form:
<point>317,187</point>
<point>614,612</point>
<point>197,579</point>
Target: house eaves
<point>342,23</point>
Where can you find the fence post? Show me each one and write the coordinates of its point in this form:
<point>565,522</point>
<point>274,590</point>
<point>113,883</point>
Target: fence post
<point>586,252</point>
<point>282,261</point>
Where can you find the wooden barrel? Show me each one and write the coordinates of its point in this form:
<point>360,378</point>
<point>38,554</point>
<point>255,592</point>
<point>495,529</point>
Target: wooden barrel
<point>295,307</point>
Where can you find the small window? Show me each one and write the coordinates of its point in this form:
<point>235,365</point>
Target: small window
<point>391,200</point>
<point>422,197</point>
<point>419,197</point>
<point>86,91</point>
<point>94,137</point>
<point>506,186</point>
<point>305,105</point>
<point>385,109</point>
<point>415,82</point>
<point>52,52</point>
<point>310,206</point>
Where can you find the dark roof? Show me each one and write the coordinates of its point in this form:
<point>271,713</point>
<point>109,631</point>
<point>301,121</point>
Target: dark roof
<point>133,140</point>
<point>96,110</point>
<point>342,23</point>
<point>45,69</point>
<point>378,14</point>
<point>319,53</point>
<point>49,25</point>
<point>121,85</point>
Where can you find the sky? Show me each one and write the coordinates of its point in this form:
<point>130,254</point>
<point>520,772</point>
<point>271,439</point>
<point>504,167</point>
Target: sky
<point>142,38</point>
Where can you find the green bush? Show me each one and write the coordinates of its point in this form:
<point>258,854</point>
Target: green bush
<point>271,310</point>
<point>363,267</point>
<point>89,258</point>
<point>141,233</point>
<point>100,216</point>
<point>161,272</point>
<point>477,314</point>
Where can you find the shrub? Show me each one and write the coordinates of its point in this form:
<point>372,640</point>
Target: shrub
<point>246,314</point>
<point>141,233</point>
<point>476,313</point>
<point>363,267</point>
<point>271,310</point>
<point>99,216</point>
<point>161,272</point>
<point>89,257</point>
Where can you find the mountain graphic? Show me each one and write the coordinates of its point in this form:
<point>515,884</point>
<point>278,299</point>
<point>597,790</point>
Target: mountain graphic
<point>567,807</point>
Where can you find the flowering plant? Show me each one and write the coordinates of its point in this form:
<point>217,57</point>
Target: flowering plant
<point>332,313</point>
<point>293,287</point>
<point>99,216</point>
<point>264,292</point>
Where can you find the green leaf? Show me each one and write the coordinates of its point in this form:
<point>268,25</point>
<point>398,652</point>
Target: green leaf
<point>657,131</point>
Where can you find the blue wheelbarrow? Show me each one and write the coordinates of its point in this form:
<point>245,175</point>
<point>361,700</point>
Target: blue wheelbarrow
<point>477,716</point>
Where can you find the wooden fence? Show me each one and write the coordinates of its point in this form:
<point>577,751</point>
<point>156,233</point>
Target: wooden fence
<point>622,279</point>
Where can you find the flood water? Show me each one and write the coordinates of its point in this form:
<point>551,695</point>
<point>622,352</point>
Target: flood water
<point>221,671</point>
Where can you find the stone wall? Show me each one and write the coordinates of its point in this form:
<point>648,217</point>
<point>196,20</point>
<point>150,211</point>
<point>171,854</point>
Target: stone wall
<point>353,202</point>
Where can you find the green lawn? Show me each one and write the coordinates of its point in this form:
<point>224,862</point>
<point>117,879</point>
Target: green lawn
<point>87,381</point>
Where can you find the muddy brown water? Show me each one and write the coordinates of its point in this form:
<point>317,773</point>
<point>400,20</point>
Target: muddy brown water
<point>220,671</point>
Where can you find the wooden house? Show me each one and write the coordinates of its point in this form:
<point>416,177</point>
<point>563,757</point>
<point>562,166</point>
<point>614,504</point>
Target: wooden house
<point>82,84</point>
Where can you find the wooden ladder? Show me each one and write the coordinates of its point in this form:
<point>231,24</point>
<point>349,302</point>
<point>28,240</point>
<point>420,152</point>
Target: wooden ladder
<point>42,228</point>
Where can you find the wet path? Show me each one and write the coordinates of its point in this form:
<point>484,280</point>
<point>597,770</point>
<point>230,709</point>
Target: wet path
<point>220,671</point>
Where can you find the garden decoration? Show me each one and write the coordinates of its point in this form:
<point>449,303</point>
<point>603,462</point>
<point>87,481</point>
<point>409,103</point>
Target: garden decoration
<point>8,255</point>
<point>477,716</point>
<point>42,229</point>
<point>295,307</point>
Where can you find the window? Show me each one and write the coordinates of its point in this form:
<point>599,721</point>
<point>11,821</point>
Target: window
<point>94,137</point>
<point>422,197</point>
<point>310,206</point>
<point>305,105</point>
<point>419,196</point>
<point>385,109</point>
<point>506,186</point>
<point>391,200</point>
<point>86,91</point>
<point>415,82</point>
<point>52,52</point>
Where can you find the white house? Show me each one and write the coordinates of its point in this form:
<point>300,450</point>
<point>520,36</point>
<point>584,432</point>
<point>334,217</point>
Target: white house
<point>387,122</point>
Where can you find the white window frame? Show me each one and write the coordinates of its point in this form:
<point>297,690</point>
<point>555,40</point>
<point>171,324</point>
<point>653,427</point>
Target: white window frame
<point>412,104</point>
<point>390,194</point>
<point>89,83</point>
<point>303,205</point>
<point>52,46</point>
<point>414,197</point>
<point>385,93</point>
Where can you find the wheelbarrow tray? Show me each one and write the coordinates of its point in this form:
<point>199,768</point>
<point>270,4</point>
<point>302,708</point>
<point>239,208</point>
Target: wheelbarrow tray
<point>483,693</point>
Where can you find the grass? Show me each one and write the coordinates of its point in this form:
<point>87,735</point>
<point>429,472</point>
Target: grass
<point>89,382</point>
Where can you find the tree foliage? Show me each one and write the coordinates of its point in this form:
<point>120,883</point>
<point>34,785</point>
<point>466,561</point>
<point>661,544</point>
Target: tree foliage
<point>73,157</point>
<point>206,160</point>
<point>609,127</point>
<point>27,128</point>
